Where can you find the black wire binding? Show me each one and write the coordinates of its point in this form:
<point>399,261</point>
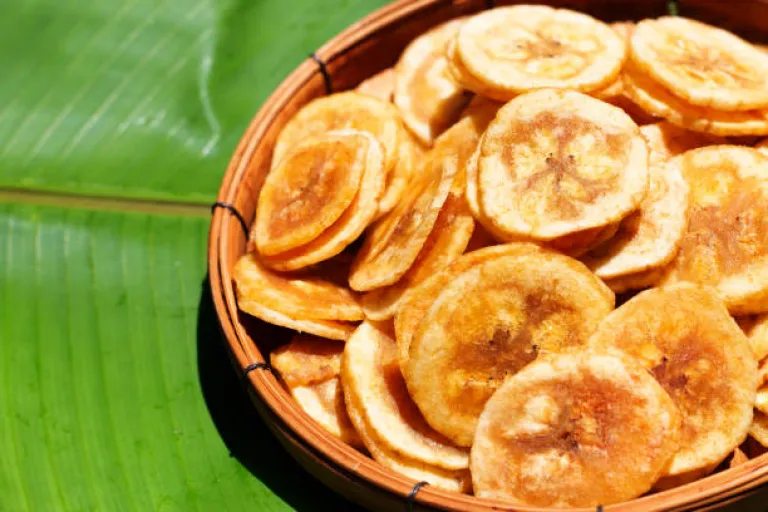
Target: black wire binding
<point>233,211</point>
<point>599,508</point>
<point>490,4</point>
<point>323,71</point>
<point>412,495</point>
<point>255,366</point>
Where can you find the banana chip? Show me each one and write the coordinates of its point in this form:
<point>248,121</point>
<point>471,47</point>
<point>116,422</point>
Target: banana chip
<point>586,430</point>
<point>761,399</point>
<point>703,65</point>
<point>448,240</point>
<point>660,102</point>
<point>350,110</point>
<point>516,49</point>
<point>759,429</point>
<point>410,156</point>
<point>372,378</point>
<point>324,403</point>
<point>650,237</point>
<point>395,242</point>
<point>311,189</point>
<point>489,322</point>
<point>381,85</point>
<point>307,297</point>
<point>636,281</point>
<point>415,304</point>
<point>726,243</point>
<point>343,232</point>
<point>309,366</point>
<point>457,481</point>
<point>307,360</point>
<point>666,140</point>
<point>428,97</point>
<point>557,162</point>
<point>755,327</point>
<point>762,146</point>
<point>685,337</point>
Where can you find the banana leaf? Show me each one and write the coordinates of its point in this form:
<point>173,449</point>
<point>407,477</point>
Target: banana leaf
<point>117,120</point>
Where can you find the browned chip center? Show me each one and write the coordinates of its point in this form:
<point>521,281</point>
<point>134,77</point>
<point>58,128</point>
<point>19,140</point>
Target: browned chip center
<point>706,64</point>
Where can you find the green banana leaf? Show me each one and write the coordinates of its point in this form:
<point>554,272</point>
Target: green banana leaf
<point>117,120</point>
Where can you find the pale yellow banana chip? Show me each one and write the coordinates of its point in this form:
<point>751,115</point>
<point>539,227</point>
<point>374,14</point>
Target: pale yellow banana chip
<point>371,376</point>
<point>759,429</point>
<point>489,322</point>
<point>428,97</point>
<point>311,189</point>
<point>468,81</point>
<point>307,360</point>
<point>660,102</point>
<point>649,237</point>
<point>381,85</point>
<point>458,481</point>
<point>574,430</point>
<point>299,296</point>
<point>324,403</point>
<point>756,329</point>
<point>762,146</point>
<point>350,110</point>
<point>703,65</point>
<point>685,337</point>
<point>516,49</point>
<point>666,140</point>
<point>331,329</point>
<point>343,232</point>
<point>726,243</point>
<point>557,162</point>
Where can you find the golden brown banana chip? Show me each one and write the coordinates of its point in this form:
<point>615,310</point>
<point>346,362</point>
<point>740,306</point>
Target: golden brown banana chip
<point>489,322</point>
<point>415,304</point>
<point>307,360</point>
<point>324,403</point>
<point>685,337</point>
<point>666,140</point>
<point>394,243</point>
<point>372,378</point>
<point>737,458</point>
<point>581,242</point>
<point>343,232</point>
<point>703,65</point>
<point>759,428</point>
<point>726,243</point>
<point>299,296</point>
<point>574,430</point>
<point>614,91</point>
<point>458,481</point>
<point>331,329</point>
<point>660,102</point>
<point>381,85</point>
<point>755,327</point>
<point>311,189</point>
<point>448,240</point>
<point>428,97</point>
<point>762,146</point>
<point>519,48</point>
<point>649,237</point>
<point>557,162</point>
<point>350,110</point>
<point>761,398</point>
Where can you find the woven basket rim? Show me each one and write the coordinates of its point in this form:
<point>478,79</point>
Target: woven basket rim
<point>718,488</point>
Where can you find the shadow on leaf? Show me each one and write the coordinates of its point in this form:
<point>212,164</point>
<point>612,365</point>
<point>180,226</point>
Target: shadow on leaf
<point>247,438</point>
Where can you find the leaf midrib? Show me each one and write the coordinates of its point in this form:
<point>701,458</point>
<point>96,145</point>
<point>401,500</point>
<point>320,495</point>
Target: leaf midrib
<point>102,203</point>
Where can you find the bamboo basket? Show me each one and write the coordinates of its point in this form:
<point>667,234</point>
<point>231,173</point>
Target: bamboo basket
<point>361,50</point>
